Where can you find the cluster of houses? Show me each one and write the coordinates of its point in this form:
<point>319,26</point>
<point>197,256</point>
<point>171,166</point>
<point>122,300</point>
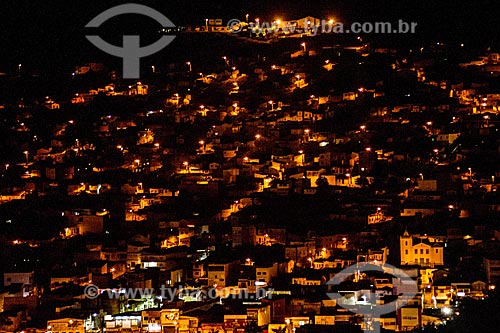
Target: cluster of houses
<point>248,190</point>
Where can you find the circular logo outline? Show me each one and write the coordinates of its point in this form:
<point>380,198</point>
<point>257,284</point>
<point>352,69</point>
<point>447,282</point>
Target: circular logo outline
<point>376,310</point>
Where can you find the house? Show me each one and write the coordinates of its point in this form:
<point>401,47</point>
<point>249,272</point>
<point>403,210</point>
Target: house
<point>418,208</point>
<point>199,270</point>
<point>51,105</point>
<point>492,268</point>
<point>309,278</point>
<point>265,273</point>
<point>270,236</point>
<point>66,325</point>
<point>17,195</point>
<point>218,273</point>
<point>87,221</point>
<point>304,24</point>
<point>131,322</point>
<point>10,321</point>
<point>300,251</point>
<point>244,235</point>
<point>23,278</point>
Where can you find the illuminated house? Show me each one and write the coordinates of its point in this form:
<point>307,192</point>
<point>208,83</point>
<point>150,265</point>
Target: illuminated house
<point>219,273</point>
<point>424,250</point>
<point>168,321</point>
<point>304,24</point>
<point>87,222</point>
<point>130,322</point>
<point>66,325</point>
<point>18,278</point>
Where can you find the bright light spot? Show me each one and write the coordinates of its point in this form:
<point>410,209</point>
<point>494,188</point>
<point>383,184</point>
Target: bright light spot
<point>446,311</point>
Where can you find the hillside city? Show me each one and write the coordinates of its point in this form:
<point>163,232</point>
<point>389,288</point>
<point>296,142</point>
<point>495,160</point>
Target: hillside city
<point>271,183</point>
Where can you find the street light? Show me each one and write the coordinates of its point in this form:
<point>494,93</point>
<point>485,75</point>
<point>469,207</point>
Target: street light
<point>189,64</point>
<point>19,69</point>
<point>304,46</point>
<point>206,25</point>
<point>26,153</point>
<point>246,17</point>
<point>446,311</point>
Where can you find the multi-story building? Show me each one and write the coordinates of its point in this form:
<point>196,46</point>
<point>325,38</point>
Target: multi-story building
<point>492,268</point>
<point>244,235</point>
<point>218,274</point>
<point>420,250</point>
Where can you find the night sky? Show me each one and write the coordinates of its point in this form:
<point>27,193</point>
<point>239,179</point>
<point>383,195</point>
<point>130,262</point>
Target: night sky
<point>51,34</point>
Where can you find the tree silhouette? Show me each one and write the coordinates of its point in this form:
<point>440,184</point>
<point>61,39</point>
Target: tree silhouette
<point>356,319</point>
<point>322,182</point>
